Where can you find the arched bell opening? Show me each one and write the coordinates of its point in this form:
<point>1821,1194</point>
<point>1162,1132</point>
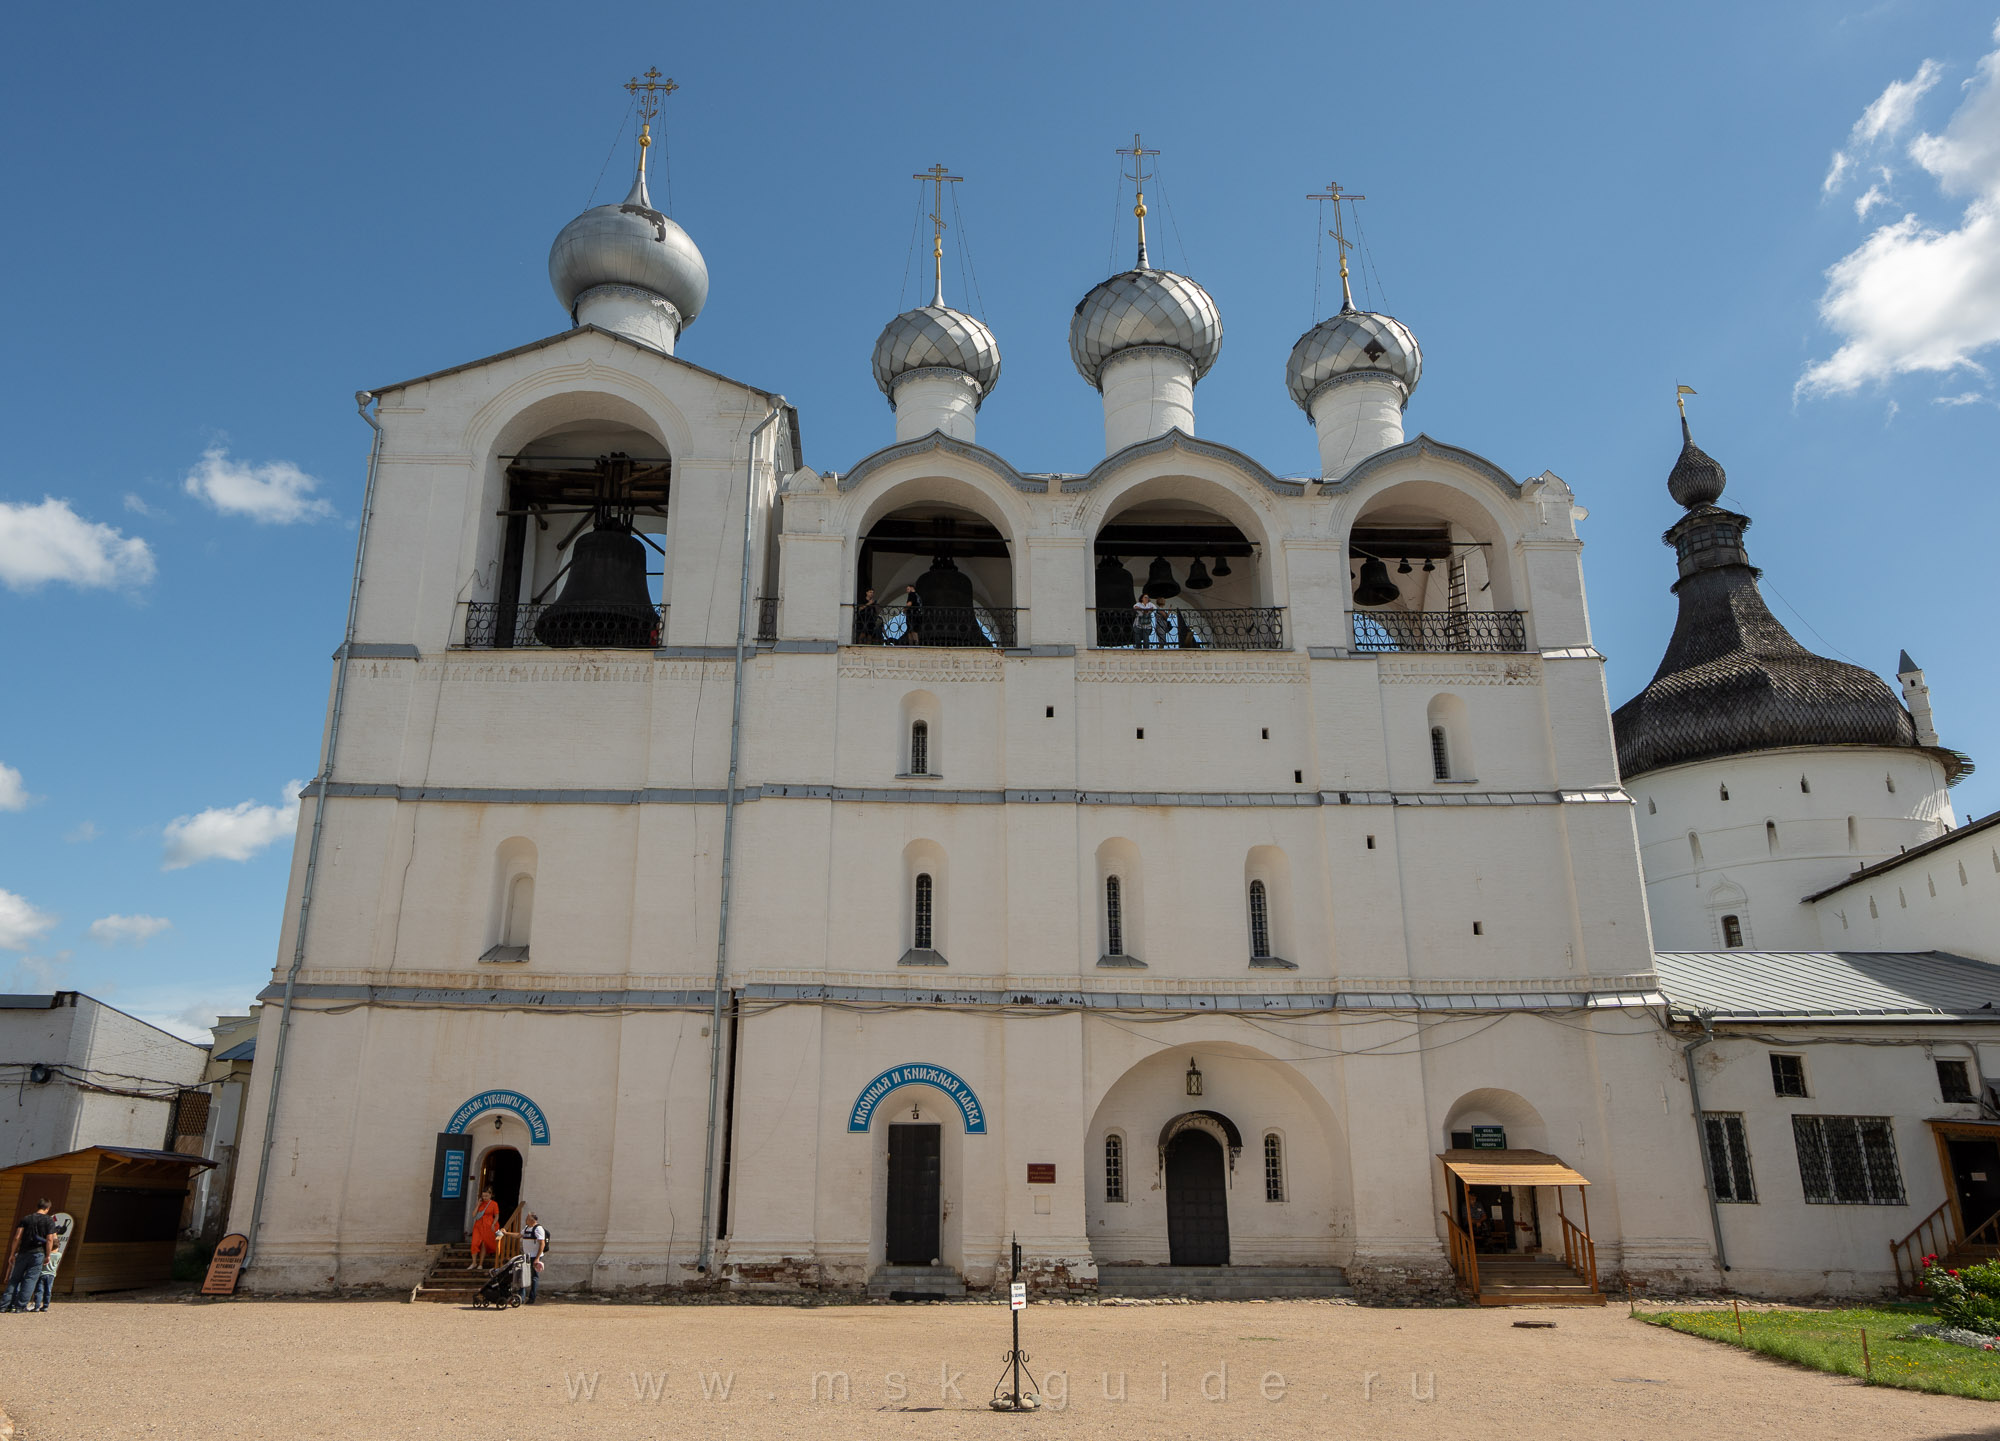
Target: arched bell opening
<point>1428,570</point>
<point>1173,574</point>
<point>935,574</point>
<point>583,559</point>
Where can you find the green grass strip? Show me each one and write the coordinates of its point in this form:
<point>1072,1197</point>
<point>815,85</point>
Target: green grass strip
<point>1831,1341</point>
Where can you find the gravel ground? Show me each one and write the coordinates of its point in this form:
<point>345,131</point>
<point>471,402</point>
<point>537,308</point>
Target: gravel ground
<point>250,1369</point>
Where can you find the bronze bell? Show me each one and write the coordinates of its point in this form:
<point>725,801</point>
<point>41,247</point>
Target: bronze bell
<point>1198,576</point>
<point>1114,602</point>
<point>1221,566</point>
<point>604,600</point>
<point>1375,587</point>
<point>1160,582</point>
<point>948,617</point>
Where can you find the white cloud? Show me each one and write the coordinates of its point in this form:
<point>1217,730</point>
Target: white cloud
<point>13,791</point>
<point>137,929</point>
<point>1915,298</point>
<point>230,833</point>
<point>275,493</point>
<point>38,973</point>
<point>1873,196</point>
<point>1970,397</point>
<point>41,543</point>
<point>1888,116</point>
<point>20,922</point>
<point>138,506</point>
<point>83,832</point>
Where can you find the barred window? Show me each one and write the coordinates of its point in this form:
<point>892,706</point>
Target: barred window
<point>1114,1168</point>
<point>1260,921</point>
<point>1114,917</point>
<point>1732,932</point>
<point>920,748</point>
<point>1440,755</point>
<point>1788,1075</point>
<point>1728,1157</point>
<point>1953,1082</point>
<point>921,930</point>
<point>1274,1166</point>
<point>1848,1160</point>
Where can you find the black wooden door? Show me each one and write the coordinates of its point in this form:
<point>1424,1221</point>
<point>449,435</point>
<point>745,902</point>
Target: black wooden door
<point>448,1183</point>
<point>1975,1168</point>
<point>1197,1201</point>
<point>915,1188</point>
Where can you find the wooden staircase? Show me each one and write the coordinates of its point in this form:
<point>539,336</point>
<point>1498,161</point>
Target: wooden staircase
<point>453,1279</point>
<point>1937,1235</point>
<point>1529,1280</point>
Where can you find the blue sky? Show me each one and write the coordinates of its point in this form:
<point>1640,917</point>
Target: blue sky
<point>228,219</point>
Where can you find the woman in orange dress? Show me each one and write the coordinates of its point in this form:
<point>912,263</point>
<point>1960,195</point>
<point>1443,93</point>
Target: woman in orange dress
<point>485,1230</point>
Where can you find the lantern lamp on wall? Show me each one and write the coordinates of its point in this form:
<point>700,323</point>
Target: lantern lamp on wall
<point>1193,1079</point>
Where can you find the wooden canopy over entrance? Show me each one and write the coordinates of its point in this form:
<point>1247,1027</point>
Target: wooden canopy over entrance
<point>1965,1228</point>
<point>1509,1278</point>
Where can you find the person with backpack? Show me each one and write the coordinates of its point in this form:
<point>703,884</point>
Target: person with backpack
<point>534,1247</point>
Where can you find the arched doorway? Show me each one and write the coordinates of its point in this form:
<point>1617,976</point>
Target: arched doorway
<point>500,1172</point>
<point>1197,1201</point>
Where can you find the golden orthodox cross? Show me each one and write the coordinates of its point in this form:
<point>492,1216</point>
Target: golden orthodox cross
<point>939,177</point>
<point>1334,193</point>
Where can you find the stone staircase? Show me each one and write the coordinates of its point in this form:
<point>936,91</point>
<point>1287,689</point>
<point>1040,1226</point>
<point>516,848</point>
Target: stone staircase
<point>1225,1283</point>
<point>1532,1281</point>
<point>448,1280</point>
<point>914,1282</point>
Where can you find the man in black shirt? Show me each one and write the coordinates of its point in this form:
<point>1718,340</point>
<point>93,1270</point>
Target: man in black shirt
<point>33,1239</point>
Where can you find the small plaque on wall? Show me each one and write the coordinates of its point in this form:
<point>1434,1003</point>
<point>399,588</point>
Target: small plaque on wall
<point>1041,1173</point>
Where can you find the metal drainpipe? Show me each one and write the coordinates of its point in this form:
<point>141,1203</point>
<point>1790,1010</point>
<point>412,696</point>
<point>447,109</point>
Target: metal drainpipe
<point>361,402</point>
<point>1701,1136</point>
<point>729,843</point>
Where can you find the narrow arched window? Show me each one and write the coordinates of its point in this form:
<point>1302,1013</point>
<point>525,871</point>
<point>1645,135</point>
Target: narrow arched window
<point>1890,782</point>
<point>1114,917</point>
<point>1771,836</point>
<point>1724,791</point>
<point>1260,921</point>
<point>1440,755</point>
<point>1274,1166</point>
<point>1853,834</point>
<point>1732,933</point>
<point>1114,1168</point>
<point>1694,847</point>
<point>921,928</point>
<point>920,748</point>
<point>1805,786</point>
<point>520,911</point>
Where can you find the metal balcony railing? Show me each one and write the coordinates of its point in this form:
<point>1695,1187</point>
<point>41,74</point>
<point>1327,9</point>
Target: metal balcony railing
<point>1189,628</point>
<point>938,625</point>
<point>1440,630</point>
<point>496,625</point>
<point>767,618</point>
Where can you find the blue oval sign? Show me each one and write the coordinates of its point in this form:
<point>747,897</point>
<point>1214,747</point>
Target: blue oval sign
<point>520,1105</point>
<point>918,1074</point>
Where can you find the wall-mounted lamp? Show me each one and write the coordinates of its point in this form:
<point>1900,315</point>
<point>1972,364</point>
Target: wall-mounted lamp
<point>1193,1079</point>
<point>496,1123</point>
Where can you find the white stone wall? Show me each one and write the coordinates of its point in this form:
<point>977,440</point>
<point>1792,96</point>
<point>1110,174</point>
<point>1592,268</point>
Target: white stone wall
<point>100,1051</point>
<point>1947,899</point>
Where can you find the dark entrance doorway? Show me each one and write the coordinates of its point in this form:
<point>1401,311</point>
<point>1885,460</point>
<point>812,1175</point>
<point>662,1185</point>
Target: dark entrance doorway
<point>915,1189</point>
<point>500,1173</point>
<point>1197,1201</point>
<point>1975,1171</point>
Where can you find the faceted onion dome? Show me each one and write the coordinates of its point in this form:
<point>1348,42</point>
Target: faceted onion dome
<point>1144,307</point>
<point>629,244</point>
<point>1351,342</point>
<point>937,337</point>
<point>1697,478</point>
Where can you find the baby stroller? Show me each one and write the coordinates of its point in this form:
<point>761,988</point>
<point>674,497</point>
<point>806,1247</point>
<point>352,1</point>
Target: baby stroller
<point>503,1285</point>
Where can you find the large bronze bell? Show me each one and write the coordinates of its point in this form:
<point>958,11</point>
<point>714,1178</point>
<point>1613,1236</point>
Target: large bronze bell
<point>1160,582</point>
<point>604,600</point>
<point>1115,595</point>
<point>1375,587</point>
<point>948,616</point>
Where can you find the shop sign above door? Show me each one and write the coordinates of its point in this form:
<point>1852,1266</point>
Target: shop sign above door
<point>918,1074</point>
<point>520,1105</point>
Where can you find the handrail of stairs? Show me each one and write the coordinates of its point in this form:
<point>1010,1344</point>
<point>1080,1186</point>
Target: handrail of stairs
<point>1932,1236</point>
<point>510,1236</point>
<point>429,1266</point>
<point>1464,1258</point>
<point>1579,1251</point>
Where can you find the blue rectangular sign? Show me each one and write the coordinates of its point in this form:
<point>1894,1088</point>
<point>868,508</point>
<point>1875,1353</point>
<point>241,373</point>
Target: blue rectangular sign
<point>454,1175</point>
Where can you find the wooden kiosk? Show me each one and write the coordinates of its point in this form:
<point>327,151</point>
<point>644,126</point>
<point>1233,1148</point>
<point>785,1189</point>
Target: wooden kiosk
<point>127,1206</point>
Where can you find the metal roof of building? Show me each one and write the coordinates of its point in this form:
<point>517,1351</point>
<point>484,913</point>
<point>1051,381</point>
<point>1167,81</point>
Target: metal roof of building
<point>1819,985</point>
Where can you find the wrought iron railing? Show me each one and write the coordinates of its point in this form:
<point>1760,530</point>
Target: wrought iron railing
<point>941,625</point>
<point>767,618</point>
<point>496,625</point>
<point>1189,628</point>
<point>1440,630</point>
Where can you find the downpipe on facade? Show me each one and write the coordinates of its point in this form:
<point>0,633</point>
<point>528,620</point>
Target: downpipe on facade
<point>362,398</point>
<point>778,404</point>
<point>1701,1136</point>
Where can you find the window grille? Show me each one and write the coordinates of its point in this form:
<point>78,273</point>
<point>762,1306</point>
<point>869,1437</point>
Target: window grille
<point>1114,917</point>
<point>1274,1167</point>
<point>1732,933</point>
<point>922,929</point>
<point>1788,1075</point>
<point>1848,1161</point>
<point>1114,1168</point>
<point>191,1114</point>
<point>1260,921</point>
<point>1953,1082</point>
<point>920,748</point>
<point>1440,755</point>
<point>1728,1157</point>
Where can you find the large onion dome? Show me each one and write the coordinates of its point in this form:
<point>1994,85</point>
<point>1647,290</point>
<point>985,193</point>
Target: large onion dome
<point>1142,307</point>
<point>936,337</point>
<point>632,244</point>
<point>1352,342</point>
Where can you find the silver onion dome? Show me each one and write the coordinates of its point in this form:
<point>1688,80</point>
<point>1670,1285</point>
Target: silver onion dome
<point>1144,307</point>
<point>629,244</point>
<point>1350,343</point>
<point>936,337</point>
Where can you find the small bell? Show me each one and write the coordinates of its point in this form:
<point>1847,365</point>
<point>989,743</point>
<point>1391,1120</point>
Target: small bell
<point>1375,587</point>
<point>1221,566</point>
<point>1160,582</point>
<point>1198,576</point>
<point>1403,566</point>
<point>1429,565</point>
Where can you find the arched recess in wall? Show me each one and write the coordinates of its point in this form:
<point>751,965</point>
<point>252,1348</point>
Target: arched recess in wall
<point>1119,901</point>
<point>1457,545</point>
<point>1195,546</point>
<point>920,752</point>
<point>954,541</point>
<point>511,914</point>
<point>1448,739</point>
<point>925,905</point>
<point>1267,888</point>
<point>1491,1106</point>
<point>1726,898</point>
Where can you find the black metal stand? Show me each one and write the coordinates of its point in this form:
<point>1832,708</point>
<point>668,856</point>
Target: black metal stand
<point>1015,1360</point>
